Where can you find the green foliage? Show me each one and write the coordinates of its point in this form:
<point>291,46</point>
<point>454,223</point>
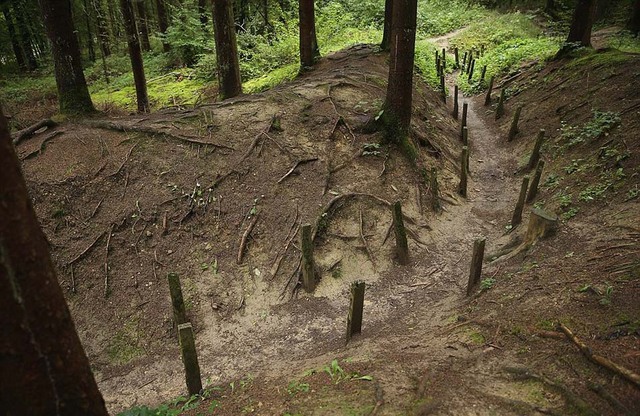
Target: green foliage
<point>437,17</point>
<point>425,62</point>
<point>296,387</point>
<point>186,36</point>
<point>486,284</point>
<point>600,125</point>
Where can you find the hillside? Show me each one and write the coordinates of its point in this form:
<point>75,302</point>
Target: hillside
<point>126,201</point>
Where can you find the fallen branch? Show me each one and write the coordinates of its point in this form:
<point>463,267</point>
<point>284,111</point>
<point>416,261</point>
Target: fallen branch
<point>86,250</point>
<point>25,133</point>
<point>245,236</point>
<point>298,163</point>
<point>602,361</point>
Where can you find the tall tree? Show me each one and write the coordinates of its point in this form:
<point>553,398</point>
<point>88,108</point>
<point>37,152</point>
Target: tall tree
<point>202,12</point>
<point>309,51</point>
<point>87,15</point>
<point>163,23</point>
<point>25,35</point>
<point>386,34</point>
<point>397,106</point>
<point>101,27</point>
<point>634,22</point>
<point>226,49</point>
<point>73,94</point>
<point>583,18</point>
<point>13,37</point>
<point>143,31</point>
<point>43,367</point>
<point>135,54</point>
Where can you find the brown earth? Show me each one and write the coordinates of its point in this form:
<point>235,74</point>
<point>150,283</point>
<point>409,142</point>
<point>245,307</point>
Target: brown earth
<point>123,209</point>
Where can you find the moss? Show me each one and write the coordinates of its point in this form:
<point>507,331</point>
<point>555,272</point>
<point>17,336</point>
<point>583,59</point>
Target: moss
<point>123,346</point>
<point>607,57</point>
<point>270,80</point>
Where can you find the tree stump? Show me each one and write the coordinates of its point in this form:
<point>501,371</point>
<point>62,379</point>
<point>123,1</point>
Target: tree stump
<point>308,265</point>
<point>190,358</point>
<point>542,224</point>
<point>354,319</point>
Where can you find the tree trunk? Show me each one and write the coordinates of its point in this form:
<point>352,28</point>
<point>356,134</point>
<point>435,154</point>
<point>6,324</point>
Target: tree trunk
<point>309,51</point>
<point>43,367</point>
<point>114,19</point>
<point>583,17</point>
<point>25,36</point>
<point>386,34</point>
<point>163,23</point>
<point>87,15</point>
<point>15,43</point>
<point>202,12</point>
<point>101,27</point>
<point>135,54</point>
<point>634,22</point>
<point>226,49</point>
<point>73,94</point>
<point>397,106</point>
<point>143,31</point>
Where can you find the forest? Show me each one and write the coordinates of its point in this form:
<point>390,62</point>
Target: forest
<point>278,207</point>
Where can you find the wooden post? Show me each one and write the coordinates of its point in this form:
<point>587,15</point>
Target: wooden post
<point>487,99</point>
<point>354,320</point>
<point>463,124</point>
<point>500,108</point>
<point>483,73</point>
<point>465,142</point>
<point>308,266</point>
<point>435,192</point>
<point>177,302</point>
<point>464,61</point>
<point>473,65</point>
<point>455,102</point>
<point>469,61</point>
<point>189,358</point>
<point>444,59</point>
<point>533,189</point>
<point>476,264</point>
<point>462,189</point>
<point>443,88</point>
<point>541,224</point>
<point>457,57</point>
<point>517,213</point>
<point>535,154</point>
<point>513,131</point>
<point>402,247</point>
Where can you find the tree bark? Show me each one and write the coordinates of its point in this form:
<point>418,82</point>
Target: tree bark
<point>163,23</point>
<point>73,94</point>
<point>101,27</point>
<point>397,106</point>
<point>15,43</point>
<point>25,36</point>
<point>229,81</point>
<point>43,367</point>
<point>386,34</point>
<point>634,22</point>
<point>202,13</point>
<point>87,15</point>
<point>135,54</point>
<point>583,18</point>
<point>143,31</point>
<point>309,51</point>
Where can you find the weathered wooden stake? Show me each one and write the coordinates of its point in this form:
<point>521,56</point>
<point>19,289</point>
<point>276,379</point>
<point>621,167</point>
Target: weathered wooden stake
<point>308,266</point>
<point>476,264</point>
<point>500,108</point>
<point>533,189</point>
<point>354,320</point>
<point>513,131</point>
<point>457,57</point>
<point>465,142</point>
<point>483,73</point>
<point>473,65</point>
<point>463,123</point>
<point>443,89</point>
<point>487,99</point>
<point>464,61</point>
<point>517,213</point>
<point>177,302</point>
<point>469,61</point>
<point>444,58</point>
<point>190,358</point>
<point>541,224</point>
<point>402,247</point>
<point>455,102</point>
<point>435,192</point>
<point>535,154</point>
<point>462,189</point>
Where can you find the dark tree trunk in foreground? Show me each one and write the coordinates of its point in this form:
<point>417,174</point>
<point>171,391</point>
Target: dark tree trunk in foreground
<point>386,34</point>
<point>226,49</point>
<point>163,22</point>
<point>25,35</point>
<point>135,54</point>
<point>309,51</point>
<point>583,17</point>
<point>634,22</point>
<point>397,106</point>
<point>43,367</point>
<point>143,31</point>
<point>73,94</point>
<point>15,43</point>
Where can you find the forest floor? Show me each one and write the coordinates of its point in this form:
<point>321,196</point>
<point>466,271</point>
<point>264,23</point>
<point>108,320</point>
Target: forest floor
<point>126,201</point>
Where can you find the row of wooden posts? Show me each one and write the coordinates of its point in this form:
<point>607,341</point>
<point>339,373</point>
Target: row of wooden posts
<point>467,67</point>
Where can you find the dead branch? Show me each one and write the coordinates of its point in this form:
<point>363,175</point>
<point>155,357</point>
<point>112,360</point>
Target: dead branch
<point>106,263</point>
<point>364,241</point>
<point>257,138</point>
<point>86,250</point>
<point>123,162</point>
<point>73,281</point>
<point>298,163</point>
<point>25,133</point>
<point>95,210</point>
<point>42,145</point>
<point>602,361</point>
<point>245,236</point>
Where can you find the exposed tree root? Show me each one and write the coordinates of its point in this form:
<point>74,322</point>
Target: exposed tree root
<point>27,132</point>
<point>245,236</point>
<point>86,250</point>
<point>295,165</point>
<point>123,162</point>
<point>42,145</point>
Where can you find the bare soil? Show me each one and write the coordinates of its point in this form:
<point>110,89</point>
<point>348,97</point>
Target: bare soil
<point>122,209</point>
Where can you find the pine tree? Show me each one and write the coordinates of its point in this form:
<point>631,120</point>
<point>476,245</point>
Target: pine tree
<point>135,54</point>
<point>226,49</point>
<point>309,51</point>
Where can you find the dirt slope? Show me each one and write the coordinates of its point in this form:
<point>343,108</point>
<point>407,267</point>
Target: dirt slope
<point>155,204</point>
